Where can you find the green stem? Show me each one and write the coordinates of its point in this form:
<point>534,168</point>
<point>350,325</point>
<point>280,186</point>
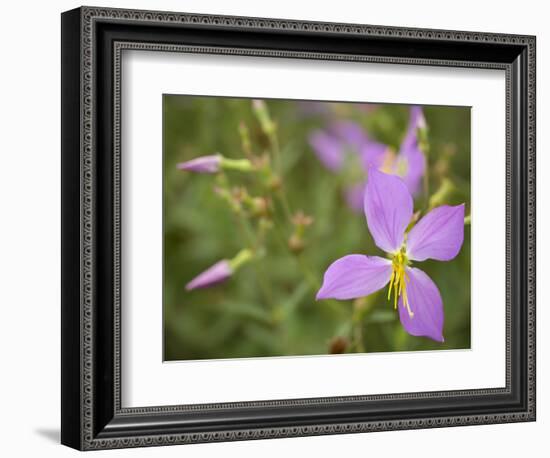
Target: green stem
<point>358,338</point>
<point>362,307</point>
<point>260,272</point>
<point>276,151</point>
<point>308,274</point>
<point>442,194</point>
<point>284,203</point>
<point>241,258</point>
<point>269,129</point>
<point>281,194</point>
<point>247,230</point>
<point>242,165</point>
<point>425,148</point>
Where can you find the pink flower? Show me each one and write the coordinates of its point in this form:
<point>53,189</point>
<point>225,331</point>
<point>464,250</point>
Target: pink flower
<point>346,137</point>
<point>439,235</point>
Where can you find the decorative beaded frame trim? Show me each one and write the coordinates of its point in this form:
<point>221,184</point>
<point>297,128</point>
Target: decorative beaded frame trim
<point>89,16</point>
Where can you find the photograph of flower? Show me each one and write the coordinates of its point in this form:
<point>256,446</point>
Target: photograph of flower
<point>311,228</point>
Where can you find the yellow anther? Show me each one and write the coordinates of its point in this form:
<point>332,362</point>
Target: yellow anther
<point>398,280</point>
<point>391,283</point>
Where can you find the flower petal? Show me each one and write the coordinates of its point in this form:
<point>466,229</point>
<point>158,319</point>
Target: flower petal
<point>388,208</point>
<point>410,158</point>
<point>426,305</point>
<point>355,195</point>
<point>438,235</point>
<point>350,132</point>
<point>416,121</point>
<point>372,154</point>
<point>328,149</point>
<point>413,163</point>
<point>355,275</point>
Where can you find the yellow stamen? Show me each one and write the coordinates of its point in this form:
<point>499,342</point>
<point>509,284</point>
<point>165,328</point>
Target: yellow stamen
<point>394,163</point>
<point>388,161</point>
<point>391,283</point>
<point>399,279</point>
<point>401,166</point>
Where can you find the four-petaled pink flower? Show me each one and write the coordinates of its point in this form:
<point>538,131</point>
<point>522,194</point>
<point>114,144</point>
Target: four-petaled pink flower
<point>388,207</point>
<point>344,137</point>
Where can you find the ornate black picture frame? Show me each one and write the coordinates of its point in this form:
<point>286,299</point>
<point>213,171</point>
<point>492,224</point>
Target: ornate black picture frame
<point>92,42</point>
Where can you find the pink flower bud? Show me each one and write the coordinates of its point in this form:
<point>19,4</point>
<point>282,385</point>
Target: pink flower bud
<point>203,164</point>
<point>218,273</point>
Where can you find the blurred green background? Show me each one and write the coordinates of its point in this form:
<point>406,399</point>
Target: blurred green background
<point>268,308</point>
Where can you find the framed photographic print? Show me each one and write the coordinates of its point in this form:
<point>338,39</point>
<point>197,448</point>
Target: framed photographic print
<point>277,228</point>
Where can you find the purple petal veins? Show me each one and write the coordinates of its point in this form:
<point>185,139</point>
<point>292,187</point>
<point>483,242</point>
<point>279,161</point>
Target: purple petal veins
<point>203,164</point>
<point>355,276</point>
<point>388,209</point>
<point>215,274</point>
<point>438,235</point>
<point>426,306</point>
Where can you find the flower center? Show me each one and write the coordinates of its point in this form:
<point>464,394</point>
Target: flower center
<point>388,161</point>
<point>394,164</point>
<point>402,166</point>
<point>399,279</point>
